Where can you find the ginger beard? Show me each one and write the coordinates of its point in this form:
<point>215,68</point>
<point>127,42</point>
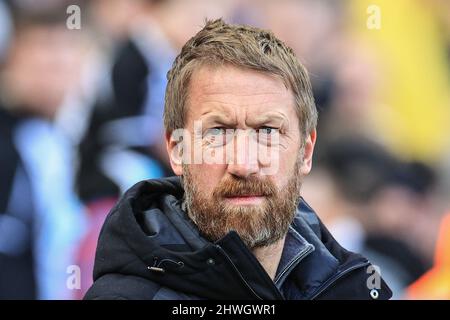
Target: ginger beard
<point>257,225</point>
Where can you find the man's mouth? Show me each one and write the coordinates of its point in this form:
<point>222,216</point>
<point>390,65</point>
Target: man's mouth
<point>246,199</point>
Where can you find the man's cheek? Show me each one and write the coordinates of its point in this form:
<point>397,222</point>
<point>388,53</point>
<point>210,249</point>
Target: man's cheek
<point>204,182</point>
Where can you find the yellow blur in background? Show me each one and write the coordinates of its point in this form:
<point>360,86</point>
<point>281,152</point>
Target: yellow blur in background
<point>413,99</point>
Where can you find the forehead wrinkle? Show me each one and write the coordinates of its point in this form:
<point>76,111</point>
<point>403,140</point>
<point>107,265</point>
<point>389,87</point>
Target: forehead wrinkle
<point>233,92</point>
<point>221,92</point>
<point>223,80</point>
<point>228,104</point>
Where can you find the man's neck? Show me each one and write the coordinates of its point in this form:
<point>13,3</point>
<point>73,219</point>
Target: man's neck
<point>270,256</point>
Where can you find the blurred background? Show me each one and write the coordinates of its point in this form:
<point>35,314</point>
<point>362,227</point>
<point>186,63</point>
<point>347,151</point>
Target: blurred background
<point>81,121</point>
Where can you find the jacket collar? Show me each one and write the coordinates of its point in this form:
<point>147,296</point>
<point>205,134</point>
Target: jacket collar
<point>296,248</point>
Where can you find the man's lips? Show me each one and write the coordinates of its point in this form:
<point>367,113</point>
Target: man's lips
<point>245,199</point>
<point>244,195</point>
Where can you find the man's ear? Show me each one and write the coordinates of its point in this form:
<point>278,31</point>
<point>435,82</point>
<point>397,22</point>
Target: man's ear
<point>308,151</point>
<point>175,151</point>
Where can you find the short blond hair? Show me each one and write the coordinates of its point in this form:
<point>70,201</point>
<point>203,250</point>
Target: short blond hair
<point>241,46</point>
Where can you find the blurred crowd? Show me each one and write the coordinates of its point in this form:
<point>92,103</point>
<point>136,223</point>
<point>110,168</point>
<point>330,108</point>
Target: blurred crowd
<point>81,122</point>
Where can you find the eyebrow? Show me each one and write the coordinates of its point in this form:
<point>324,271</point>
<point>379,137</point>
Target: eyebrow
<point>271,117</point>
<point>219,118</point>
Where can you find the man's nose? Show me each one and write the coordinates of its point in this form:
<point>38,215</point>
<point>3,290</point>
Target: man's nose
<point>244,162</point>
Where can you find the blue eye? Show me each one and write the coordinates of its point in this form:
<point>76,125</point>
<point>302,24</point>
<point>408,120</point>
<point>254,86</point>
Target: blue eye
<point>215,132</point>
<point>218,131</point>
<point>267,130</point>
<point>216,136</point>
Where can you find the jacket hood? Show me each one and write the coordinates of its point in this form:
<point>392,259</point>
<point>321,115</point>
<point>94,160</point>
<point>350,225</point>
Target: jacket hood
<point>148,235</point>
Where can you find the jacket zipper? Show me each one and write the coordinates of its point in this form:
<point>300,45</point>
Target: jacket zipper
<point>336,277</point>
<point>238,272</point>
<point>300,256</point>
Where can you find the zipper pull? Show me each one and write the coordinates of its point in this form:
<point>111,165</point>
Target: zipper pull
<point>155,266</point>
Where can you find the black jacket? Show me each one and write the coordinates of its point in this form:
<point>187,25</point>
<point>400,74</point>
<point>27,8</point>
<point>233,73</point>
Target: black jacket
<point>149,249</point>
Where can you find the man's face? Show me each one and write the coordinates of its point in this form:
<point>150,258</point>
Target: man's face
<point>241,111</point>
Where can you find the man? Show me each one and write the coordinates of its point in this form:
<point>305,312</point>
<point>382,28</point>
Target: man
<point>234,226</point>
